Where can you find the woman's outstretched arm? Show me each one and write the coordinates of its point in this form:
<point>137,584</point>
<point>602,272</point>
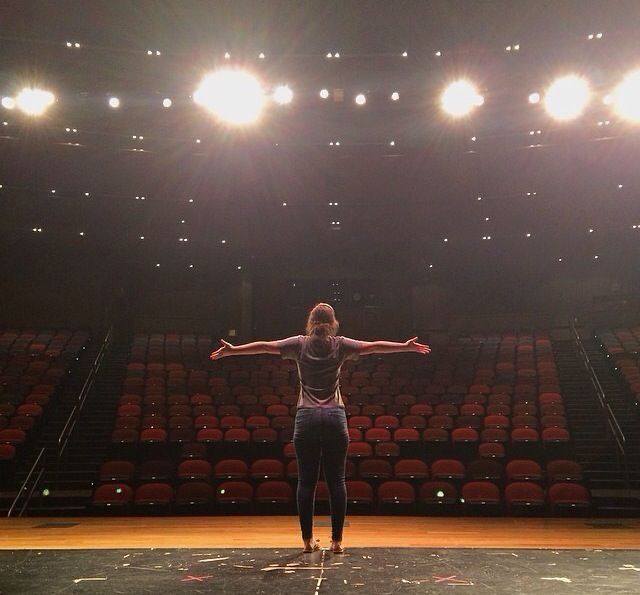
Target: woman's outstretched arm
<point>255,348</point>
<point>369,347</point>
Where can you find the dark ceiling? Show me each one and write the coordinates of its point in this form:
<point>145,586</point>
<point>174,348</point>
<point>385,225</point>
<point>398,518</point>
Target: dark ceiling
<point>396,203</point>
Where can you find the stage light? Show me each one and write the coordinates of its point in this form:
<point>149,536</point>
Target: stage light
<point>567,97</point>
<point>392,143</point>
<point>528,235</point>
<point>590,230</point>
<point>261,56</point>
<point>324,93</point>
<point>166,102</point>
<point>8,102</point>
<point>336,55</point>
<point>596,257</point>
<point>438,54</point>
<point>239,267</point>
<point>81,233</point>
<point>329,55</point>
<point>190,266</point>
<point>361,99</point>
<point>534,98</point>
<point>283,95</point>
<point>34,102</point>
<point>233,96</point>
<point>460,98</point>
<point>404,54</point>
<point>114,102</point>
<point>626,97</point>
<point>225,241</point>
<point>227,56</point>
<point>395,96</point>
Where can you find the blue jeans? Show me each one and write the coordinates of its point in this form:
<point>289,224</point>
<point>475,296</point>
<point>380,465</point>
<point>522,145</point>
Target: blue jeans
<point>321,433</point>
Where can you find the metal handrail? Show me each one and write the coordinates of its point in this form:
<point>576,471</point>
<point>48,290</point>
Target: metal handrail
<point>69,426</point>
<point>24,486</point>
<point>614,426</point>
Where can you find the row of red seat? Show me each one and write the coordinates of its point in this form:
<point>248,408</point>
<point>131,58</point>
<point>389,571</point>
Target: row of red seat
<point>381,469</point>
<point>518,496</point>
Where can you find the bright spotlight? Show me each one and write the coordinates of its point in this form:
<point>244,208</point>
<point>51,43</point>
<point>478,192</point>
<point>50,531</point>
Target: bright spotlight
<point>283,95</point>
<point>460,98</point>
<point>8,102</point>
<point>34,102</point>
<point>361,99</point>
<point>626,97</point>
<point>114,102</point>
<point>234,96</point>
<point>395,96</point>
<point>166,102</point>
<point>324,93</point>
<point>567,97</point>
<point>534,98</point>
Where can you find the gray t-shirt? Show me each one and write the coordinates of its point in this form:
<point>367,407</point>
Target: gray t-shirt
<point>319,368</point>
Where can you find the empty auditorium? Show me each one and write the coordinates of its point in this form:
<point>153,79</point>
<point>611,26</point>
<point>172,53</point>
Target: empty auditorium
<point>319,296</point>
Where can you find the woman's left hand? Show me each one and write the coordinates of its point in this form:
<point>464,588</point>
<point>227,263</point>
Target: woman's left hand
<point>226,349</point>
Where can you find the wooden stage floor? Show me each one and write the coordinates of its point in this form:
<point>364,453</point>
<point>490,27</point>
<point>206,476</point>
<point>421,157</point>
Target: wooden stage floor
<point>283,532</point>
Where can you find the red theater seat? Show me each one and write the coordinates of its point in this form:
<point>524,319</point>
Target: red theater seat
<point>234,492</point>
<point>267,469</point>
<point>438,492</point>
<point>396,492</point>
<point>523,470</point>
<point>120,471</point>
<point>564,471</point>
<point>154,495</point>
<point>447,469</point>
<point>523,494</point>
<point>113,495</point>
<point>194,493</point>
<point>194,469</point>
<point>231,469</point>
<point>410,469</point>
<point>359,493</point>
<point>374,469</point>
<point>481,493</point>
<point>568,495</point>
<point>274,492</point>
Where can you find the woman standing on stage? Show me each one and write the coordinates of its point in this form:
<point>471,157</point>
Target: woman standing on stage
<point>320,431</point>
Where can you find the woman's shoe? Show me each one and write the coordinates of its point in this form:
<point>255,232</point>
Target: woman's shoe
<point>336,548</point>
<point>311,547</point>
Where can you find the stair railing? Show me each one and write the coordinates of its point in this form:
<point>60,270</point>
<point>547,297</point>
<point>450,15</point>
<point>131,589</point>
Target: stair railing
<point>612,422</point>
<point>37,469</point>
<point>70,425</point>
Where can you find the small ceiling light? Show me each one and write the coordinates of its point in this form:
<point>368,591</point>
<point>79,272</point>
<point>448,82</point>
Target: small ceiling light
<point>460,98</point>
<point>33,101</point>
<point>284,204</point>
<point>392,143</point>
<point>82,233</point>
<point>336,55</point>
<point>596,257</point>
<point>158,264</point>
<point>261,56</point>
<point>626,97</point>
<point>53,192</point>
<point>567,97</point>
<point>142,237</point>
<point>528,235</point>
<point>395,96</point>
<point>479,197</point>
<point>404,54</point>
<point>474,139</point>
<point>283,95</point>
<point>191,200</point>
<point>620,186</point>
<point>239,267</point>
<point>590,230</point>
<point>438,54</point>
<point>445,240</point>
<point>534,98</point>
<point>8,102</point>
<point>76,45</point>
<point>559,259</point>
<point>86,194</point>
<point>114,102</point>
<point>166,102</point>
<point>324,93</point>
<point>227,56</point>
<point>223,241</point>
<point>329,55</point>
<point>190,266</point>
<point>430,266</point>
<point>487,218</point>
<point>361,99</point>
<point>198,141</point>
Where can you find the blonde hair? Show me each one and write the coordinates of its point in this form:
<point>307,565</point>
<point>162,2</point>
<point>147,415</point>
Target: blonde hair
<point>322,321</point>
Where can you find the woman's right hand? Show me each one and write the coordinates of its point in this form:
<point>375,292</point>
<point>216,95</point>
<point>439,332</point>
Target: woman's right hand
<point>226,349</point>
<point>413,345</point>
